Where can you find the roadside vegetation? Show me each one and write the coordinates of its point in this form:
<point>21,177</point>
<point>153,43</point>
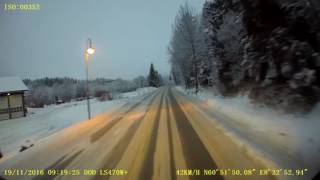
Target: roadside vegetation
<point>267,50</point>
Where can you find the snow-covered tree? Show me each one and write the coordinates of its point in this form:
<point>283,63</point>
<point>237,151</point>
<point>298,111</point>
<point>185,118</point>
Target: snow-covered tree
<point>154,77</point>
<point>222,22</point>
<point>140,82</point>
<point>269,49</point>
<point>187,50</point>
<point>283,52</point>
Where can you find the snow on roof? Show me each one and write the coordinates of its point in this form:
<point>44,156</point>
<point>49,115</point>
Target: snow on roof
<point>11,84</point>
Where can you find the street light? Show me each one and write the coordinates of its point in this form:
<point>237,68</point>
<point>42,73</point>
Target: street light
<point>89,51</point>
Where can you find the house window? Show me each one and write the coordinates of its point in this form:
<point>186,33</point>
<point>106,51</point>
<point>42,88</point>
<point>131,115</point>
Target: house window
<point>16,109</point>
<point>4,111</point>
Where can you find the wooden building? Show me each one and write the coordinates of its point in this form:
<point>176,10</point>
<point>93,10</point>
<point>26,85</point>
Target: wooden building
<point>12,103</point>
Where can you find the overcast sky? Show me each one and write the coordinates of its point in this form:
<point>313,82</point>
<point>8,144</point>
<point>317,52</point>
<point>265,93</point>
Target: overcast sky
<point>128,36</point>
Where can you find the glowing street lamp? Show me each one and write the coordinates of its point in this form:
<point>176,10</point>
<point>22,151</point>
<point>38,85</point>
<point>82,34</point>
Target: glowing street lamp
<point>89,51</point>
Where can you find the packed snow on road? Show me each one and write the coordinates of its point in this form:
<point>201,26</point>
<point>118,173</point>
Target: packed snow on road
<point>17,134</point>
<point>277,138</point>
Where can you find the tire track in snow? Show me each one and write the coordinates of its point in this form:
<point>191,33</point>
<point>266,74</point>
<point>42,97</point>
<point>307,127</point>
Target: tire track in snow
<point>102,131</point>
<point>196,154</point>
<point>60,164</point>
<point>146,171</point>
<point>173,168</point>
<point>118,151</point>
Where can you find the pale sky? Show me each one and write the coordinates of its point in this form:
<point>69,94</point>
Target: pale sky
<point>128,35</point>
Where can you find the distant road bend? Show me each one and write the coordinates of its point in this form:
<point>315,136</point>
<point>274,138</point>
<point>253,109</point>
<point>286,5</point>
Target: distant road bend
<point>153,137</point>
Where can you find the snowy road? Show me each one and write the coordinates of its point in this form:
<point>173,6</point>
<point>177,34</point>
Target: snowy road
<point>154,137</point>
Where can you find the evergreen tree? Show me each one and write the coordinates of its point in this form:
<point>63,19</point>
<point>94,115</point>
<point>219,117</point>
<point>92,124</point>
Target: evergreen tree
<point>152,78</point>
<point>223,23</point>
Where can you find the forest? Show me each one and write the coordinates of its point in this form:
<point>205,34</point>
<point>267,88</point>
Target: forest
<point>266,50</point>
<point>46,91</point>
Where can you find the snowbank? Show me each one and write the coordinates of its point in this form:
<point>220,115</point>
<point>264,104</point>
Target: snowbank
<point>138,92</point>
<point>42,122</point>
<point>296,135</point>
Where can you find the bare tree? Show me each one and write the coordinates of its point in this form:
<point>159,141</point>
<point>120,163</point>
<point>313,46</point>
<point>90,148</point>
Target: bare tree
<point>184,48</point>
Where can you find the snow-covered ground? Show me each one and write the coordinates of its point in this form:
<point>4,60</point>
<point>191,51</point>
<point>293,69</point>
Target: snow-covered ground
<point>138,92</point>
<point>42,122</point>
<point>279,139</point>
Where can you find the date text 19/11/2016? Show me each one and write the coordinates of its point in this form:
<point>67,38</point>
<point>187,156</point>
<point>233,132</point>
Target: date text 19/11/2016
<point>21,6</point>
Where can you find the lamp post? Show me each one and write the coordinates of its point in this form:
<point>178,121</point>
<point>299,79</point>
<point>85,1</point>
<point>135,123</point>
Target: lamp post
<point>89,51</point>
<point>9,106</point>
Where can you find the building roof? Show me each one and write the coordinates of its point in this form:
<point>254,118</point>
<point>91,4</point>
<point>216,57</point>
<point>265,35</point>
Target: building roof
<point>12,84</point>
